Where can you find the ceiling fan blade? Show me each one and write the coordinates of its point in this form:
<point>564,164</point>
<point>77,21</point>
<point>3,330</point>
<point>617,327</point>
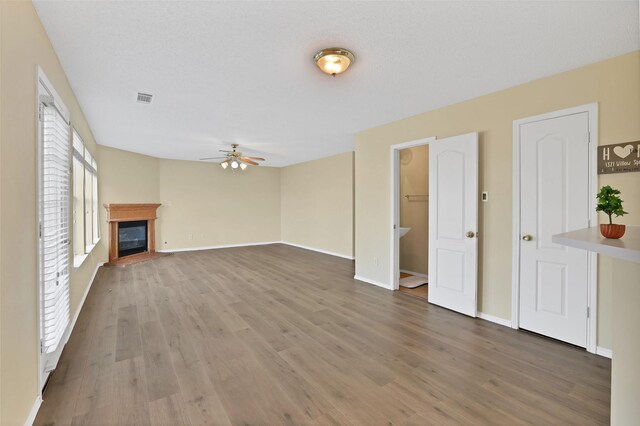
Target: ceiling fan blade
<point>256,158</point>
<point>246,160</point>
<point>212,158</point>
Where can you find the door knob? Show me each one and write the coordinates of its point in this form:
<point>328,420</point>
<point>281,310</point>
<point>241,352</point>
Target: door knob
<point>470,234</point>
<point>527,237</point>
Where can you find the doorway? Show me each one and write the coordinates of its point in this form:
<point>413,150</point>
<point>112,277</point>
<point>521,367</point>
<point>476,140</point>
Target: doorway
<point>414,221</point>
<point>452,217</point>
<point>554,287</point>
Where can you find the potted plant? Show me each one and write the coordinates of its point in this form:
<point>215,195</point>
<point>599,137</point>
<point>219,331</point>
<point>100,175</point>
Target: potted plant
<point>610,203</point>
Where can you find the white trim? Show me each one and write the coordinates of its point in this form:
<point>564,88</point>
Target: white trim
<point>38,147</point>
<point>607,353</point>
<point>63,342</point>
<point>217,247</point>
<point>79,259</point>
<point>592,110</point>
<point>84,297</point>
<point>592,323</point>
<point>417,274</point>
<point>330,253</point>
<point>370,281</point>
<point>34,411</point>
<point>72,323</point>
<point>493,319</point>
<point>394,202</point>
<point>255,244</point>
<point>59,104</point>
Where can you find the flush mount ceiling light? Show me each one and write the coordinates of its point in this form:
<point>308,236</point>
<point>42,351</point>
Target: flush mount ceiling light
<point>334,60</point>
<point>235,159</point>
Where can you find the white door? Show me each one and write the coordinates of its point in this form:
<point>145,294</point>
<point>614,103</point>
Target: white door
<point>453,223</point>
<point>554,198</point>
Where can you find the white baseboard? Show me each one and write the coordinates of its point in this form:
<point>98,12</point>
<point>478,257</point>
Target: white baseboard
<point>417,274</point>
<point>216,247</point>
<point>370,281</point>
<point>34,412</point>
<point>330,253</point>
<point>607,353</point>
<point>254,244</point>
<point>67,333</point>
<point>497,320</point>
<point>84,297</point>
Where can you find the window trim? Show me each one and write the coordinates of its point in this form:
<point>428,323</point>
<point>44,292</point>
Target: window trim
<point>87,249</point>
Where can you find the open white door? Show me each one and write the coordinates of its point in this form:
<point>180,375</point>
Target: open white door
<point>453,223</point>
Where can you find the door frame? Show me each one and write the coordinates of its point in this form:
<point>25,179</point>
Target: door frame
<point>394,202</point>
<point>592,260</point>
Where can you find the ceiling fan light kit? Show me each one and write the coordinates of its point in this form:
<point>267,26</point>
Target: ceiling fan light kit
<point>235,159</point>
<point>334,60</point>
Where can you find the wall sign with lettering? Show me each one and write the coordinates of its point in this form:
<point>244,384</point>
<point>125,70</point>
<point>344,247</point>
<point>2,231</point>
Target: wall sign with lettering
<point>619,158</point>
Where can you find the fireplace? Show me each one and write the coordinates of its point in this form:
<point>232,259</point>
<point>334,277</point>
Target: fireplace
<point>132,237</point>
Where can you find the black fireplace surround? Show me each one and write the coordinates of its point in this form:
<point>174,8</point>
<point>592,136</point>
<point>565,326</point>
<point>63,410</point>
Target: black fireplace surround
<point>132,237</point>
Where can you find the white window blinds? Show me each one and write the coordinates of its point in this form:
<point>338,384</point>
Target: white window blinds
<point>54,226</point>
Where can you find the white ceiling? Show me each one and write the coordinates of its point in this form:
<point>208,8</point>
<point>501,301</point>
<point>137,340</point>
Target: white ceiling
<point>224,72</point>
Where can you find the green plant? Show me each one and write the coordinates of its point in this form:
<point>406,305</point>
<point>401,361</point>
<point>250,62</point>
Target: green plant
<point>609,202</point>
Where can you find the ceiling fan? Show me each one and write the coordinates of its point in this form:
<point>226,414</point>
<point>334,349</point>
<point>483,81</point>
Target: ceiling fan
<point>235,159</point>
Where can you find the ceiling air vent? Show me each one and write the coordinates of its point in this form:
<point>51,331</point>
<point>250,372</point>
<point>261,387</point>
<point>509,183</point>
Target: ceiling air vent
<point>144,98</point>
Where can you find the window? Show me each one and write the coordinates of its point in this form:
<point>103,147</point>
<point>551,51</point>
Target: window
<point>86,232</point>
<point>54,233</point>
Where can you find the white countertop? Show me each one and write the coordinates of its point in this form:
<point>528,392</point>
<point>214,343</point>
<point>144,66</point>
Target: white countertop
<point>627,247</point>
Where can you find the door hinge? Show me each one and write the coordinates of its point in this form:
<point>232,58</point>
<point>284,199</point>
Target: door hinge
<point>588,312</point>
<point>40,113</point>
<point>41,347</point>
<point>40,230</point>
<point>589,136</point>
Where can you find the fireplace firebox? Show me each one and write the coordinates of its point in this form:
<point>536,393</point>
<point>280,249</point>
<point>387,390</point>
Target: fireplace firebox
<point>132,237</point>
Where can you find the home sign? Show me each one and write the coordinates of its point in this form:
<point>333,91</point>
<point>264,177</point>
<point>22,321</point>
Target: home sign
<point>619,158</point>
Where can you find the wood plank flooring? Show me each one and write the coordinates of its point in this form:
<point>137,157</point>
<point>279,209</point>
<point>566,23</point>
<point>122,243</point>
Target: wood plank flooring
<point>422,292</point>
<point>274,334</point>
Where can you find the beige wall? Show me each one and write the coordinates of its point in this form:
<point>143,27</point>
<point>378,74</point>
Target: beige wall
<point>317,204</point>
<point>614,84</point>
<point>414,211</point>
<point>23,45</point>
<point>204,205</point>
<point>625,369</point>
<point>125,177</point>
